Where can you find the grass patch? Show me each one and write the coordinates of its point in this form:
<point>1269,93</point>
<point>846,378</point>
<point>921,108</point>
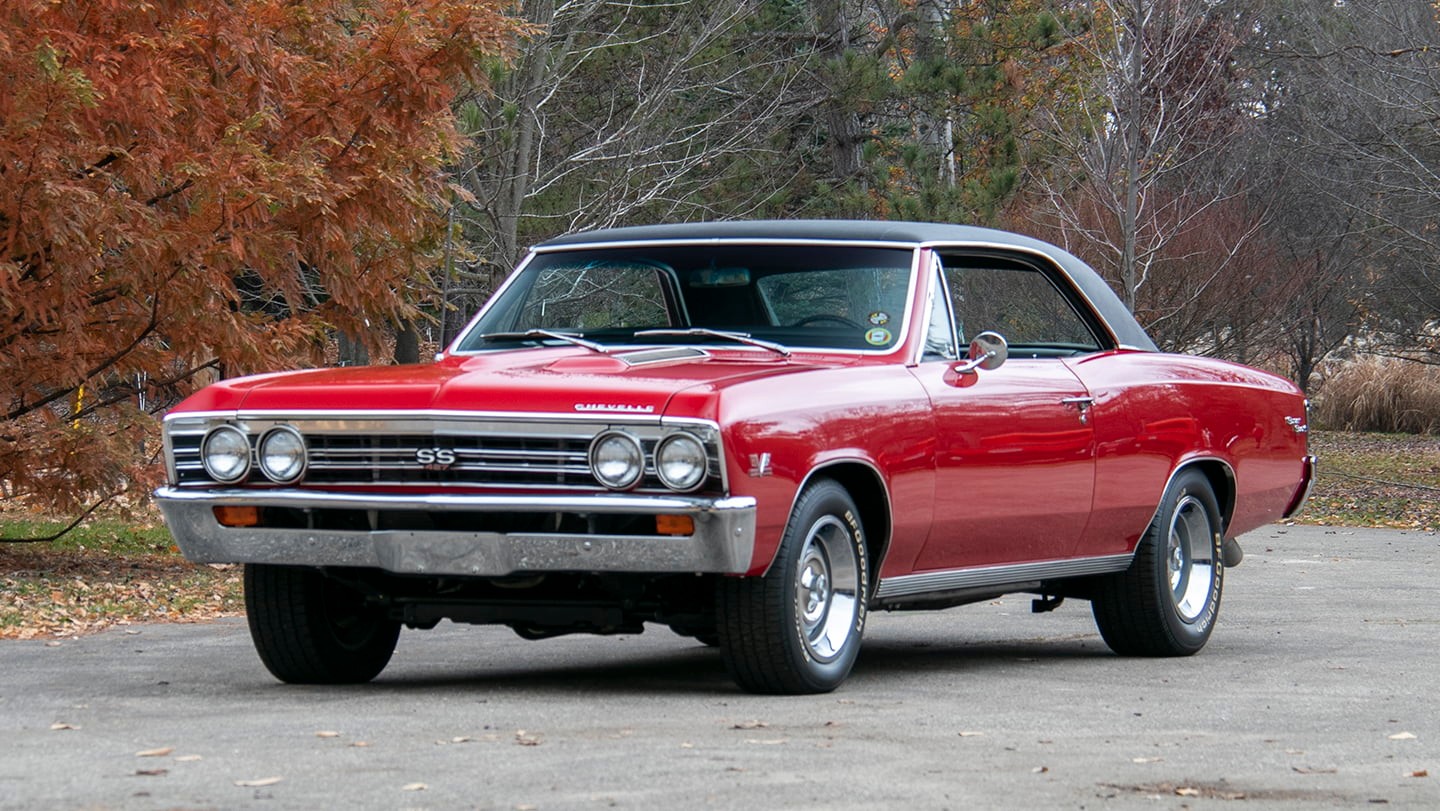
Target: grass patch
<point>1375,480</point>
<point>105,573</point>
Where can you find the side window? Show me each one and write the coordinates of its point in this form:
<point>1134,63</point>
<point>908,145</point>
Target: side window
<point>1018,301</point>
<point>597,296</point>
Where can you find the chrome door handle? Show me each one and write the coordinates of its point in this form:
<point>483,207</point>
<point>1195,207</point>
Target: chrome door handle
<point>1082,405</point>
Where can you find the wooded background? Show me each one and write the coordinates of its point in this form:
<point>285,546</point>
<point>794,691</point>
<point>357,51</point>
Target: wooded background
<point>194,189</point>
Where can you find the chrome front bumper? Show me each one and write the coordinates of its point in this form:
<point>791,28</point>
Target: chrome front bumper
<point>723,540</point>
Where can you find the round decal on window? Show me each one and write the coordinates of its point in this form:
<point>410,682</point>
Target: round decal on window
<point>878,337</point>
<point>879,319</point>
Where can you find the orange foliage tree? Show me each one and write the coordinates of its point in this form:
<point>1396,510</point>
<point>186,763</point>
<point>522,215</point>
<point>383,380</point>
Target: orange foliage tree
<point>193,188</point>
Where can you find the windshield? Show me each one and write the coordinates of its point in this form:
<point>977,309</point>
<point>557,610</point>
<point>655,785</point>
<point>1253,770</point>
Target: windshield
<point>798,296</point>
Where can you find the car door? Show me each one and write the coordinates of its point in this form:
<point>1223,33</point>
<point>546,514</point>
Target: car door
<point>1015,451</point>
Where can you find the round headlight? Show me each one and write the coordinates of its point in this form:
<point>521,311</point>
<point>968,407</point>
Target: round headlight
<point>282,455</point>
<point>226,454</point>
<point>680,462</point>
<point>616,460</point>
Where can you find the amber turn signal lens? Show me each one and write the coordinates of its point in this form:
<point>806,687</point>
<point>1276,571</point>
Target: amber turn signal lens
<point>237,516</point>
<point>674,525</point>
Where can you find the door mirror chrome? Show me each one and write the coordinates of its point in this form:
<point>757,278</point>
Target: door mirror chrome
<point>988,351</point>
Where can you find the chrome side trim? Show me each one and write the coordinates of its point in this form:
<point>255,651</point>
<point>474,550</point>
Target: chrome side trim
<point>958,579</point>
<point>723,541</point>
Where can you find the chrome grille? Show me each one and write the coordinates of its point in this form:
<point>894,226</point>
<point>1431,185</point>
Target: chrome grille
<point>487,452</point>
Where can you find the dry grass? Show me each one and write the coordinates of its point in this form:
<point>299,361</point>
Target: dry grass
<point>1380,394</point>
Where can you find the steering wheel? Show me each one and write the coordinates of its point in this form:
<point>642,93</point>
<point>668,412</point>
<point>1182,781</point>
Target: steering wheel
<point>812,319</point>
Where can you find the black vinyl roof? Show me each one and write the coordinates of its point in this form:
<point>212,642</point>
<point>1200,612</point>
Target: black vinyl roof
<point>914,234</point>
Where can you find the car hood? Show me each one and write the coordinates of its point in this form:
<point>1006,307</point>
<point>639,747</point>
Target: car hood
<point>547,380</point>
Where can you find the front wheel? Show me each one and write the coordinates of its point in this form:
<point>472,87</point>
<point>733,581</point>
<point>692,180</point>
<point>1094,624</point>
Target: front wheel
<point>313,629</point>
<point>1166,603</point>
<point>797,629</point>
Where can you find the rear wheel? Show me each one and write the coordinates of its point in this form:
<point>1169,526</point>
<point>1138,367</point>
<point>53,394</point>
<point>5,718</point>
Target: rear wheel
<point>1166,603</point>
<point>312,629</point>
<point>797,629</point>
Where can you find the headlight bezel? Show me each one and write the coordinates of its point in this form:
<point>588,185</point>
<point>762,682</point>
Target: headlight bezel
<point>247,458</point>
<point>302,462</point>
<point>700,470</point>
<point>635,471</point>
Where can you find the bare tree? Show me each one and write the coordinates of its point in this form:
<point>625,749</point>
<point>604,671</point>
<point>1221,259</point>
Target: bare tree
<point>1360,87</point>
<point>618,111</point>
<point>1133,188</point>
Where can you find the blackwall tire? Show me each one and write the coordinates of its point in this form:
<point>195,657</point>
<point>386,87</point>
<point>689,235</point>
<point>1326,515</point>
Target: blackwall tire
<point>1167,602</point>
<point>798,629</point>
<point>311,629</point>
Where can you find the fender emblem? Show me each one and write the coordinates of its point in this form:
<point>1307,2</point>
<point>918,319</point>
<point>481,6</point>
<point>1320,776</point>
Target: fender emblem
<point>629,408</point>
<point>759,465</point>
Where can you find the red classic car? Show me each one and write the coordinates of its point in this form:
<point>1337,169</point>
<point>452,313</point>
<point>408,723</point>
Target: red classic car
<point>753,433</point>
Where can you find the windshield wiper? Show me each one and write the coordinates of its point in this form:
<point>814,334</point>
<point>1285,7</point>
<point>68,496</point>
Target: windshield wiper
<point>702,332</point>
<point>532,334</point>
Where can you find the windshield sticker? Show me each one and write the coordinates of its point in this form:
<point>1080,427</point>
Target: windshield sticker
<point>878,337</point>
<point>879,319</point>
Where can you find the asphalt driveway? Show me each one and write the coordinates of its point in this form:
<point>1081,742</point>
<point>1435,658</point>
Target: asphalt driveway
<point>1319,689</point>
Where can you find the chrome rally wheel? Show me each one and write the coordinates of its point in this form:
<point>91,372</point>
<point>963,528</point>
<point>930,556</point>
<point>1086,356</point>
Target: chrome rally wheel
<point>1167,602</point>
<point>797,629</point>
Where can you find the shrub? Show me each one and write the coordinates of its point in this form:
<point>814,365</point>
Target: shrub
<point>1388,395</point>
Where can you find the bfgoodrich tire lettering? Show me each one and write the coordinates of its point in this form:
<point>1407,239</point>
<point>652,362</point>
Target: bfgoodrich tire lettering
<point>798,628</point>
<point>311,629</point>
<point>1166,603</point>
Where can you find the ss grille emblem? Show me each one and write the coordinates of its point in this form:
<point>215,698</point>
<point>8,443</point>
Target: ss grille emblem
<point>435,458</point>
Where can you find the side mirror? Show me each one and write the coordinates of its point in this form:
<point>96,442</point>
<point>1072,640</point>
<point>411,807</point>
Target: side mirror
<point>988,351</point>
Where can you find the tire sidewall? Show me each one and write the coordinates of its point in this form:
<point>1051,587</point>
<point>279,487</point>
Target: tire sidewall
<point>822,499</point>
<point>1189,636</point>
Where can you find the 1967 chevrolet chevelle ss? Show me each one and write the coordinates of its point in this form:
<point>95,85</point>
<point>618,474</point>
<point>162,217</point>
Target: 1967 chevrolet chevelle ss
<point>753,433</point>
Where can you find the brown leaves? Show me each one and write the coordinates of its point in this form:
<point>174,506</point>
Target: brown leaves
<point>220,192</point>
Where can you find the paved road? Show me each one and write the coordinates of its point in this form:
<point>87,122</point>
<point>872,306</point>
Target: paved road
<point>1318,690</point>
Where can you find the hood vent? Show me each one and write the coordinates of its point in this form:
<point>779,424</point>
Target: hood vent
<point>660,354</point>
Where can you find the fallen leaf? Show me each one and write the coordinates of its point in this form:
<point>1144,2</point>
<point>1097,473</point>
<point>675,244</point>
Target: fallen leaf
<point>151,772</point>
<point>1040,770</point>
<point>188,758</point>
<point>972,734</point>
<point>527,740</point>
<point>1403,736</point>
<point>687,745</point>
<point>1419,773</point>
<point>460,739</point>
<point>261,783</point>
<point>1185,791</point>
<point>161,752</point>
<point>750,725</point>
<point>1147,759</point>
<point>767,742</point>
<point>360,744</point>
<point>63,725</point>
<point>414,787</point>
<point>1310,770</point>
<point>326,733</point>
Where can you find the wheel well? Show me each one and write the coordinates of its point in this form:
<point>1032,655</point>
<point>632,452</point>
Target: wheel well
<point>1222,481</point>
<point>865,487</point>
